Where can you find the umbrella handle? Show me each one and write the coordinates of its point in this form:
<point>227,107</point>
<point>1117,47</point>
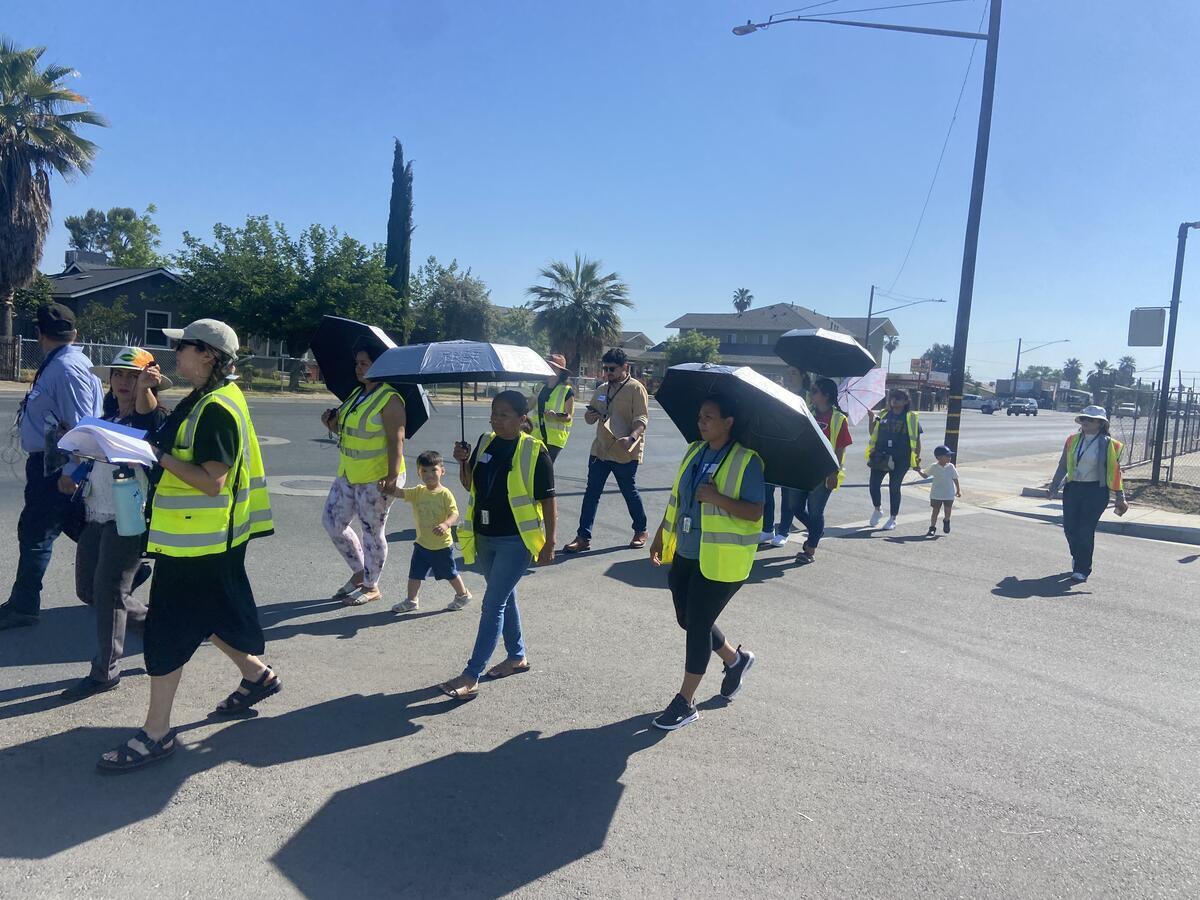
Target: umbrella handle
<point>462,412</point>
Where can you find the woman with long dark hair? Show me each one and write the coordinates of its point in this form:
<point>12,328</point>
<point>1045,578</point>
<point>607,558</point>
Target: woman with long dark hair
<point>894,448</point>
<point>370,429</point>
<point>510,523</point>
<point>209,502</point>
<point>551,415</point>
<point>809,506</point>
<point>709,536</point>
<point>1090,467</point>
<point>107,563</point>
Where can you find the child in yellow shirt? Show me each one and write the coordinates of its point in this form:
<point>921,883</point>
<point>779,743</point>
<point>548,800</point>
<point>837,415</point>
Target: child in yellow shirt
<point>435,512</point>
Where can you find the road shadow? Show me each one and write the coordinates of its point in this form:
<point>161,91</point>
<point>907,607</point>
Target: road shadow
<point>1027,588</point>
<point>469,824</point>
<point>560,556</point>
<point>408,535</point>
<point>55,800</point>
<point>615,491</point>
<point>639,573</point>
<point>36,698</point>
<point>64,634</point>
<point>1190,559</point>
<point>912,538</point>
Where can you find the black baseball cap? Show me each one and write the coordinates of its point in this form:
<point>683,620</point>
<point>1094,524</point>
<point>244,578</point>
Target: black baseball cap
<point>55,320</point>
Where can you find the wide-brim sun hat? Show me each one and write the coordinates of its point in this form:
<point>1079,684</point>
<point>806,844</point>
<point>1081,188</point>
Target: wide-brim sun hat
<point>211,332</point>
<point>1092,412</point>
<point>134,359</point>
<point>558,362</point>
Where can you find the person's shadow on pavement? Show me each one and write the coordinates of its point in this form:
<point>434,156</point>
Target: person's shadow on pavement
<point>53,798</point>
<point>469,824</point>
<point>1027,588</point>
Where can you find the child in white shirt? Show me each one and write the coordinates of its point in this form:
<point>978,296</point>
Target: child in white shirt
<point>944,490</point>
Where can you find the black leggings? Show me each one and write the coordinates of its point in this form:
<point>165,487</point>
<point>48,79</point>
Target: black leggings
<point>895,479</point>
<point>698,602</point>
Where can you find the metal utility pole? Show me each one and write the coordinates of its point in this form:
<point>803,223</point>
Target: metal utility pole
<point>1164,395</point>
<point>870,309</point>
<point>966,288</point>
<point>1016,368</point>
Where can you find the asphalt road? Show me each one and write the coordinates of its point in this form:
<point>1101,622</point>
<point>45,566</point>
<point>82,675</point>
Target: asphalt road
<point>928,717</point>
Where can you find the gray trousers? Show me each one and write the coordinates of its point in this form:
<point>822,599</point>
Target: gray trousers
<point>105,564</point>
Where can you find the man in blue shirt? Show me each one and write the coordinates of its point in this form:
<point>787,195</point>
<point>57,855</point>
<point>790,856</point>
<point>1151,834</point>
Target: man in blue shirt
<point>63,392</point>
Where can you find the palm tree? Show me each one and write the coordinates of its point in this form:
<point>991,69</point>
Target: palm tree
<point>579,307</point>
<point>37,138</point>
<point>1100,367</point>
<point>1072,371</point>
<point>742,298</point>
<point>890,343</point>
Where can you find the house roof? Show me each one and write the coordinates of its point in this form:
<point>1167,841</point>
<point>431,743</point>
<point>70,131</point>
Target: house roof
<point>776,317</point>
<point>855,325</point>
<point>640,337</point>
<point>86,278</point>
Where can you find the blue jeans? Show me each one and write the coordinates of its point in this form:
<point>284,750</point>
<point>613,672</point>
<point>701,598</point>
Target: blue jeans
<point>788,509</point>
<point>503,560</point>
<point>810,508</point>
<point>1084,503</point>
<point>598,472</point>
<point>40,523</point>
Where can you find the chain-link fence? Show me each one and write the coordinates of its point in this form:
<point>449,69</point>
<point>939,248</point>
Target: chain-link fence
<point>1134,421</point>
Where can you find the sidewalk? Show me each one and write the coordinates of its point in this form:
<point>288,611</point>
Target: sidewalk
<point>1016,487</point>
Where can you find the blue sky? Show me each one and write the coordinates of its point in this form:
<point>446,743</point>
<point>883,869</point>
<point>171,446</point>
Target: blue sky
<point>793,162</point>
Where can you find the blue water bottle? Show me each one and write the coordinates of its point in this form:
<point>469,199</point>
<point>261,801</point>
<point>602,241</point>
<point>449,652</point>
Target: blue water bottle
<point>129,501</point>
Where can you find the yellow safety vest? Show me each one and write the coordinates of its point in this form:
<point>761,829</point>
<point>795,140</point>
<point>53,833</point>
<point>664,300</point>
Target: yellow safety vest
<point>1113,460</point>
<point>914,435</point>
<point>527,512</point>
<point>553,432</point>
<point>837,421</point>
<point>185,522</point>
<point>361,441</point>
<point>727,544</point>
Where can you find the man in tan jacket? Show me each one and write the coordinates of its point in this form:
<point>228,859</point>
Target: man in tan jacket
<point>620,410</point>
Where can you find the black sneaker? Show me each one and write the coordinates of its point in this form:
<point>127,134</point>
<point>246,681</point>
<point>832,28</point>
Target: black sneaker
<point>736,674</point>
<point>87,687</point>
<point>677,714</point>
<point>932,531</point>
<point>946,525</point>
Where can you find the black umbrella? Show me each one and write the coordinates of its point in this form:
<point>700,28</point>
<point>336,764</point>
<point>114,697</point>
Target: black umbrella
<point>334,345</point>
<point>458,362</point>
<point>770,420</point>
<point>824,352</point>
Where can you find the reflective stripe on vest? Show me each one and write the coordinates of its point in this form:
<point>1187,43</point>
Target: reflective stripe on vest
<point>727,544</point>
<point>554,432</point>
<point>185,522</point>
<point>837,421</point>
<point>362,444</point>
<point>912,420</point>
<point>527,512</point>
<point>1112,460</point>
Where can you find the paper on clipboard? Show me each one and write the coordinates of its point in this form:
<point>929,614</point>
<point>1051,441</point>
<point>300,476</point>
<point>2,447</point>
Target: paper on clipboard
<point>108,442</point>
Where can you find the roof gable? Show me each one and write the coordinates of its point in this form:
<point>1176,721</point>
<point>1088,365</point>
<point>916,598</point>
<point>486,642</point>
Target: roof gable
<point>776,317</point>
<point>75,283</point>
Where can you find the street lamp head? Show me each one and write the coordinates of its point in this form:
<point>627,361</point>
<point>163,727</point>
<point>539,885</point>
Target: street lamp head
<point>748,28</point>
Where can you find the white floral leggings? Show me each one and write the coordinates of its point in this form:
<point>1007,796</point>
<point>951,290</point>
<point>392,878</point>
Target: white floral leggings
<point>346,501</point>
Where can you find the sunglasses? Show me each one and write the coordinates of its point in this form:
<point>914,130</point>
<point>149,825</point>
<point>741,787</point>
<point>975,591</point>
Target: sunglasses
<point>198,345</point>
<point>610,368</point>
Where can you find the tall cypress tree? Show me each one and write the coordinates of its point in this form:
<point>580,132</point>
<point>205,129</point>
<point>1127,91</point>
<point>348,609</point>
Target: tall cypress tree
<point>399,236</point>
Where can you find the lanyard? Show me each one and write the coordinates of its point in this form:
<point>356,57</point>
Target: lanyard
<point>1083,446</point>
<point>609,398</point>
<point>697,472</point>
<point>493,469</point>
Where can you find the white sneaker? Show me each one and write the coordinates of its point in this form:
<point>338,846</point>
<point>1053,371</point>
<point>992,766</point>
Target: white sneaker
<point>407,606</point>
<point>890,524</point>
<point>875,517</point>
<point>459,602</point>
<point>1078,576</point>
<point>764,537</point>
<point>779,540</point>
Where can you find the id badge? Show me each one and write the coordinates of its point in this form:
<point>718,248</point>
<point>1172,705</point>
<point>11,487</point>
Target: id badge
<point>602,398</point>
<point>485,517</point>
<point>484,458</point>
<point>889,443</point>
<point>685,525</point>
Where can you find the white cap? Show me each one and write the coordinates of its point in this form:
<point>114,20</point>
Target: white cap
<point>1093,412</point>
<point>215,334</point>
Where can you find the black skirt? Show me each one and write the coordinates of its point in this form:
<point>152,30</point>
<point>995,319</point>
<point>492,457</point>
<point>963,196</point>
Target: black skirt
<point>192,598</point>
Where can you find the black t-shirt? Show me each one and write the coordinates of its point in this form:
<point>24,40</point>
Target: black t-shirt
<point>543,399</point>
<point>491,485</point>
<point>216,438</point>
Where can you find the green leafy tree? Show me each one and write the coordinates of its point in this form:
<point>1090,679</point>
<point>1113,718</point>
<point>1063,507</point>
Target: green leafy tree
<point>518,325</point>
<point>940,355</point>
<point>1042,373</point>
<point>450,304</point>
<point>1072,371</point>
<point>39,118</point>
<point>890,343</point>
<point>399,239</point>
<point>38,293</point>
<point>99,323</point>
<point>742,299</point>
<point>578,308</point>
<point>692,346</point>
<point>129,240</point>
<point>265,283</point>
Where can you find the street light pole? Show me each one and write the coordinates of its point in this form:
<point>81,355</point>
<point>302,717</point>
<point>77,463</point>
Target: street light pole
<point>966,289</point>
<point>1164,394</point>
<point>870,309</point>
<point>1016,368</point>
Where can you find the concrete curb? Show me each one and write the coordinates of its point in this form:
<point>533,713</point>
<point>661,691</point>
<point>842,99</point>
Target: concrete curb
<point>1180,534</point>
